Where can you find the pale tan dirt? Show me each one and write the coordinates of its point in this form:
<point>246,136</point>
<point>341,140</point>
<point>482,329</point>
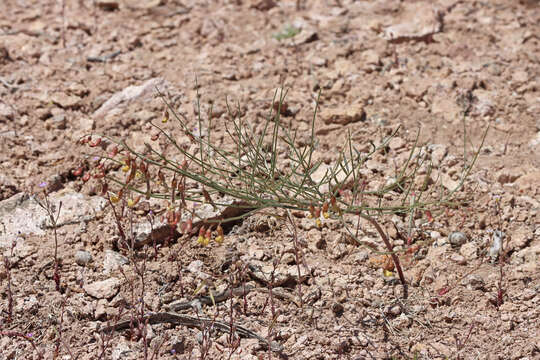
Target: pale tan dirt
<point>481,58</point>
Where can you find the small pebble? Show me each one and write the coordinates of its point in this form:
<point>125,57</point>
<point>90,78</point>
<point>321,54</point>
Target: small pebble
<point>457,238</point>
<point>82,257</point>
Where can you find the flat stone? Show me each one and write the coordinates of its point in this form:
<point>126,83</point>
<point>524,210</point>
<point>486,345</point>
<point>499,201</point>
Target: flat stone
<point>416,22</point>
<point>113,261</point>
<point>528,181</point>
<point>65,101</point>
<point>344,116</point>
<point>22,215</point>
<point>105,289</point>
<point>131,94</point>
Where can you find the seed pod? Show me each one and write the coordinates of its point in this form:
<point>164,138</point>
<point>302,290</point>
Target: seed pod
<point>132,173</point>
<point>143,168</point>
<point>104,189</point>
<point>78,171</point>
<point>154,137</point>
<point>133,202</point>
<point>202,230</point>
<point>165,116</point>
<point>95,143</point>
<point>429,216</point>
<point>207,197</point>
<point>114,199</point>
<point>99,175</point>
<point>312,211</point>
<point>188,226</point>
<point>325,210</point>
<point>161,176</point>
<point>86,177</point>
<point>170,217</point>
<point>219,238</point>
<point>388,264</point>
<point>219,230</point>
<point>208,234</point>
<point>114,151</point>
<point>325,207</point>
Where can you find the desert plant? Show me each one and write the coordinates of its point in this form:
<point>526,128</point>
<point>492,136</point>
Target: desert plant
<point>51,209</point>
<point>270,170</point>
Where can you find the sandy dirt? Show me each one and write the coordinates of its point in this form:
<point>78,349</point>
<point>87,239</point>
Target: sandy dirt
<point>446,68</point>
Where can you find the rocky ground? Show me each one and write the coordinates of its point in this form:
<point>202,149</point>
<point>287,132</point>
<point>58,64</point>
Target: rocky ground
<point>94,66</point>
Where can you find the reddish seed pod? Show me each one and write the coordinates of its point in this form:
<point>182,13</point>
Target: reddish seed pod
<point>95,143</point>
<point>208,233</point>
<point>165,116</point>
<point>154,137</point>
<point>104,189</point>
<point>443,291</point>
<point>99,175</point>
<point>143,168</point>
<point>202,230</point>
<point>207,197</point>
<point>312,210</point>
<point>219,230</point>
<point>325,207</point>
<point>114,151</point>
<point>86,177</point>
<point>78,171</point>
<point>161,176</point>
<point>100,166</point>
<point>170,217</point>
<point>317,212</point>
<point>189,226</point>
<point>184,164</point>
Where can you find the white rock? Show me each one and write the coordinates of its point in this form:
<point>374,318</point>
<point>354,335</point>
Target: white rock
<point>113,261</point>
<point>104,289</point>
<point>22,215</point>
<point>417,21</point>
<point>131,94</point>
<point>83,258</point>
